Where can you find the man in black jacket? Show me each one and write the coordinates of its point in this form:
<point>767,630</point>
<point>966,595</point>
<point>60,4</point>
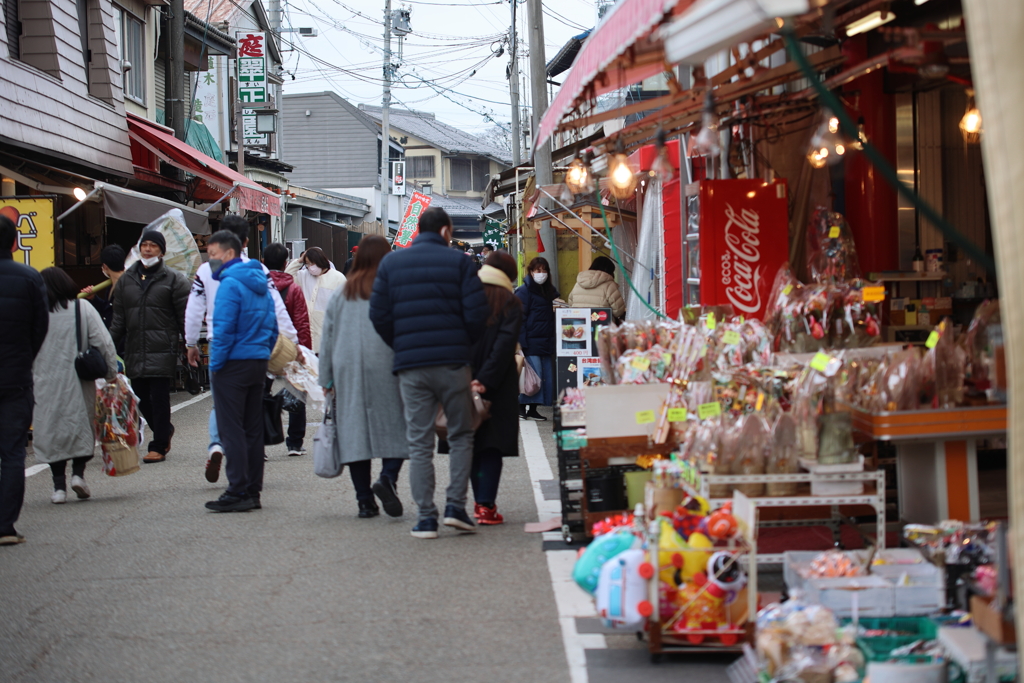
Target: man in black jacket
<point>25,318</point>
<point>149,313</point>
<point>429,306</point>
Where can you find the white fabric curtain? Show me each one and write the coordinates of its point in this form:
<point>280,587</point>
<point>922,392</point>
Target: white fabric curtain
<point>648,271</point>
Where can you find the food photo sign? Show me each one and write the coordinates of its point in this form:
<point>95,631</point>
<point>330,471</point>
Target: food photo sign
<point>577,363</point>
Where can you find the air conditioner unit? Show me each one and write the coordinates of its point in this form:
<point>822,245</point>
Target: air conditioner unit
<point>307,32</point>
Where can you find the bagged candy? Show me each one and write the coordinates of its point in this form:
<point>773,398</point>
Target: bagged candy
<point>784,457</point>
<point>831,253</point>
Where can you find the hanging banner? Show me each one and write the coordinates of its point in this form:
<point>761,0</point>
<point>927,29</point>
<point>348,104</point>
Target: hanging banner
<point>34,219</point>
<point>410,225</point>
<point>494,234</point>
<point>398,178</point>
<point>251,72</point>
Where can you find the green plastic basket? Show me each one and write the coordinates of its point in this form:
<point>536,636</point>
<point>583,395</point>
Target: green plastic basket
<point>879,648</point>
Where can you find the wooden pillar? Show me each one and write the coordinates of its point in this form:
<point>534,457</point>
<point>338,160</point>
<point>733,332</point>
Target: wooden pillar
<point>994,30</point>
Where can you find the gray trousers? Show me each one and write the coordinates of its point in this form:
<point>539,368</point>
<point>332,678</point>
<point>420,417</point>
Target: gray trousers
<point>423,389</point>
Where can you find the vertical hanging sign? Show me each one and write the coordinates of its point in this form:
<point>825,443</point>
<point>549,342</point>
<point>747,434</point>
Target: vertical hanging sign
<point>251,71</point>
<point>398,178</point>
<point>410,225</point>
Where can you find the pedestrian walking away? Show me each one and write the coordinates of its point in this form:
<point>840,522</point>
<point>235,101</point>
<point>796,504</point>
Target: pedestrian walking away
<point>201,305</point>
<point>537,337</point>
<point>496,379</point>
<point>64,423</point>
<point>355,364</point>
<point>313,272</point>
<point>596,288</point>
<point>24,316</point>
<point>149,314</point>
<point>429,306</point>
<point>245,330</point>
<point>348,264</point>
<point>275,256</point>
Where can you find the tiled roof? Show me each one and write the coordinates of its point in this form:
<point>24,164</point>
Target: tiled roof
<point>218,10</point>
<point>448,139</point>
<point>462,207</point>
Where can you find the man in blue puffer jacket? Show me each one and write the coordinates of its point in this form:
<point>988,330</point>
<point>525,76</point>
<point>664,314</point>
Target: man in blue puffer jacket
<point>428,304</point>
<point>244,333</point>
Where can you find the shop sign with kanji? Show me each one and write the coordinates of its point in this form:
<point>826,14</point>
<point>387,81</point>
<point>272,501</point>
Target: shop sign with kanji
<point>251,72</point>
<point>410,225</point>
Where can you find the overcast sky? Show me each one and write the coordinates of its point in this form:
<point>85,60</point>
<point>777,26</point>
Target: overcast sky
<point>450,39</point>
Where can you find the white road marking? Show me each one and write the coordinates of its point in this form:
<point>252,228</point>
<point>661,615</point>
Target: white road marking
<point>185,404</point>
<point>571,600</point>
<point>35,469</point>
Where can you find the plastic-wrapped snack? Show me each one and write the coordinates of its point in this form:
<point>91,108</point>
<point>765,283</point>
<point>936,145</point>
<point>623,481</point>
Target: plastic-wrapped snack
<point>949,361</point>
<point>807,399</point>
<point>833,564</point>
<point>757,343</point>
<point>784,457</point>
<point>902,380</point>
<point>831,253</point>
<point>817,311</point>
<point>981,354</point>
<point>608,351</point>
<point>721,446</point>
<point>749,457</point>
<point>728,346</point>
<point>857,323</point>
<point>633,367</point>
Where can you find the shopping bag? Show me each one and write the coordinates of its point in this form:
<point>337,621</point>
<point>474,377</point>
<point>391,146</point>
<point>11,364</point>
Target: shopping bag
<point>119,426</point>
<point>285,351</point>
<point>326,457</point>
<point>119,459</point>
<point>520,361</point>
<point>273,431</point>
<point>529,381</point>
<point>481,412</point>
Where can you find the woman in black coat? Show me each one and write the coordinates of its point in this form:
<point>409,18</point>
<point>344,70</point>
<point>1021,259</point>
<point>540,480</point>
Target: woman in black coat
<point>537,336</point>
<point>496,378</point>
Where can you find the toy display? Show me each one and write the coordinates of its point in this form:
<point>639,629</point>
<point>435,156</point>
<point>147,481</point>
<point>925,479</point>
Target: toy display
<point>621,594</point>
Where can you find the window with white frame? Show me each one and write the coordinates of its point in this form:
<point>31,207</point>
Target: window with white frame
<point>131,52</point>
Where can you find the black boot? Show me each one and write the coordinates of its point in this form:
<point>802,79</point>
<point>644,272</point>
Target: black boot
<point>522,411</point>
<point>533,414</point>
<point>367,509</point>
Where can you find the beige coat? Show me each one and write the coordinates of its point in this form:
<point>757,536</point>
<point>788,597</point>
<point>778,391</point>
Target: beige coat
<point>597,289</point>
<point>318,292</point>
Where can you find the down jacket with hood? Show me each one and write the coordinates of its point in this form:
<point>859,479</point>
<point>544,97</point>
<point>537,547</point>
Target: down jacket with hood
<point>294,303</point>
<point>150,315</point>
<point>597,289</point>
<point>537,336</point>
<point>246,326</point>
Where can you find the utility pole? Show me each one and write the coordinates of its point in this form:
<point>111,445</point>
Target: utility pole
<point>542,155</point>
<point>517,138</point>
<point>385,127</point>
<point>176,69</point>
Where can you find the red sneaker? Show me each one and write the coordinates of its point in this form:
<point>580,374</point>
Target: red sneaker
<point>487,515</point>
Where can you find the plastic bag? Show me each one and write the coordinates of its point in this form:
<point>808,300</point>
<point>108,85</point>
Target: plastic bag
<point>182,251</point>
<point>749,457</point>
<point>784,457</point>
<point>304,379</point>
<point>831,252</point>
<point>326,456</point>
<point>529,382</point>
<point>119,426</point>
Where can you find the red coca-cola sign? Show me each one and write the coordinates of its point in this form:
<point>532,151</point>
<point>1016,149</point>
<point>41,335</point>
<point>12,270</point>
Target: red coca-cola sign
<point>744,239</point>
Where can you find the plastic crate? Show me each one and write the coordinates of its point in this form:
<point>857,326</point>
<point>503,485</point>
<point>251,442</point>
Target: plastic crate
<point>878,648</point>
<point>874,595</point>
<point>926,592</point>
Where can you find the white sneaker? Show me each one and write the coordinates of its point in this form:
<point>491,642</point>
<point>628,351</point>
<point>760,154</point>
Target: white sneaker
<point>79,486</point>
<point>296,451</point>
<point>58,497</point>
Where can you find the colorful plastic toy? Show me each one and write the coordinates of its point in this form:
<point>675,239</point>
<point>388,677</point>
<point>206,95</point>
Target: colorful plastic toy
<point>621,594</point>
<point>588,566</point>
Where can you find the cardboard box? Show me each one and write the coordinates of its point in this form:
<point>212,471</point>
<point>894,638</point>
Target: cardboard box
<point>661,500</point>
<point>991,622</point>
<point>623,409</point>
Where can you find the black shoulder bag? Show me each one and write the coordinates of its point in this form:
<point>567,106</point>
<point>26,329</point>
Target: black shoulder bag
<point>90,363</point>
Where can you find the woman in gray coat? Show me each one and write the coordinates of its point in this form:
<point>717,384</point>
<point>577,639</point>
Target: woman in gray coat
<point>63,423</point>
<point>355,366</point>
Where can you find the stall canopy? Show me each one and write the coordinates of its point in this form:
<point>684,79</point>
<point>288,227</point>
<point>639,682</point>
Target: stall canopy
<point>214,181</point>
<point>135,207</point>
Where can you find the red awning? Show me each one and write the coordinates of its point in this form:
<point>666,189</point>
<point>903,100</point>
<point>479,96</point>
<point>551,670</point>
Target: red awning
<point>216,179</point>
<point>627,23</point>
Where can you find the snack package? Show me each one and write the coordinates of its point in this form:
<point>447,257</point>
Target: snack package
<point>784,457</point>
<point>981,356</point>
<point>857,323</point>
<point>947,361</point>
<point>751,449</point>
<point>901,381</point>
<point>119,426</point>
<point>831,253</point>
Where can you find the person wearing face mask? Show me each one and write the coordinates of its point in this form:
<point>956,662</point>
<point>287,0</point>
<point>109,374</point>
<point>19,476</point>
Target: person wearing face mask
<point>149,315</point>
<point>318,281</point>
<point>537,336</point>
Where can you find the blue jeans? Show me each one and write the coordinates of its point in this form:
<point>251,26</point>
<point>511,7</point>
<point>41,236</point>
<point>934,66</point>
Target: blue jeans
<point>16,406</point>
<point>214,433</point>
<point>545,395</point>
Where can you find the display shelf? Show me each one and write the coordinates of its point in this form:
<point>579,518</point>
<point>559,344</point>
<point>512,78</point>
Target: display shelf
<point>932,424</point>
<point>894,276</point>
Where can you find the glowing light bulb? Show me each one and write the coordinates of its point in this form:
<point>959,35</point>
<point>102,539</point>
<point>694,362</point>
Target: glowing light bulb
<point>578,177</point>
<point>80,194</point>
<point>622,180</point>
<point>840,150</point>
<point>818,157</point>
<point>833,124</point>
<point>971,122</point>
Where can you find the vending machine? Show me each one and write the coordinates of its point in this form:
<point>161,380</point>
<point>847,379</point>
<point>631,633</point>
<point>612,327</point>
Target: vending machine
<point>737,237</point>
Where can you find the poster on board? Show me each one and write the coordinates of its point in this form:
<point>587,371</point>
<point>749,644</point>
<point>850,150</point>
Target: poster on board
<point>577,363</point>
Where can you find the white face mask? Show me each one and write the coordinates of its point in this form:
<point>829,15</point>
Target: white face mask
<point>315,271</point>
<point>150,262</point>
<point>540,278</point>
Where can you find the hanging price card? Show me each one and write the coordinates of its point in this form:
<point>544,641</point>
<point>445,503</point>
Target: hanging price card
<point>932,340</point>
<point>833,232</point>
<point>760,401</point>
<point>641,363</point>
<point>787,289</point>
<point>872,294</point>
<point>706,410</point>
<point>732,337</point>
<point>711,321</point>
<point>645,417</point>
<point>820,362</point>
<point>677,414</point>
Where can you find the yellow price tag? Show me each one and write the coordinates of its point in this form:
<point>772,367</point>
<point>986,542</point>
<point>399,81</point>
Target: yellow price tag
<point>711,321</point>
<point>833,232</point>
<point>732,337</point>
<point>787,289</point>
<point>645,417</point>
<point>933,339</point>
<point>706,410</point>
<point>677,414</point>
<point>872,294</point>
<point>820,362</point>
<point>760,401</point>
<point>641,363</point>
<point>666,358</point>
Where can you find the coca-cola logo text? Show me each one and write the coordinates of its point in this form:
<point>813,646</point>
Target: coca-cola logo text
<point>741,265</point>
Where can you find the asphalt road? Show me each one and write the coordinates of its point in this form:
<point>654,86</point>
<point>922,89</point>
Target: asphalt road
<point>141,583</point>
